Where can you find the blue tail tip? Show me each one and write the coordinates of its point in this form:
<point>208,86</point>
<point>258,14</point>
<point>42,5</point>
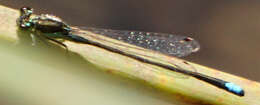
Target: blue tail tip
<point>234,89</point>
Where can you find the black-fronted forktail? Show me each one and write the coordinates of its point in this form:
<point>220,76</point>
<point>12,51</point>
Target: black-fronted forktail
<point>52,27</point>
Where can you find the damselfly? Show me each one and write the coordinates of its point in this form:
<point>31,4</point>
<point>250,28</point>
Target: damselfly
<point>51,27</point>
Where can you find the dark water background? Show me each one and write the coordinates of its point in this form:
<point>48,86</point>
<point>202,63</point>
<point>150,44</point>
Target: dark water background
<point>228,30</point>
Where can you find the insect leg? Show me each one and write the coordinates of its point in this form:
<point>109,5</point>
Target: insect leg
<point>56,41</point>
<point>33,39</point>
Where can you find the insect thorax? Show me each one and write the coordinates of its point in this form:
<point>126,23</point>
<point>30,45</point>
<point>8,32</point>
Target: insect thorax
<point>49,24</point>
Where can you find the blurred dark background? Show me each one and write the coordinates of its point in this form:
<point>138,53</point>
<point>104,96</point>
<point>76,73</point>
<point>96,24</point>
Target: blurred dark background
<point>228,30</point>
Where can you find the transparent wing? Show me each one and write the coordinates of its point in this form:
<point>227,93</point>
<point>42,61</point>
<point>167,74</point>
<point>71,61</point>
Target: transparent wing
<point>179,64</point>
<point>170,44</point>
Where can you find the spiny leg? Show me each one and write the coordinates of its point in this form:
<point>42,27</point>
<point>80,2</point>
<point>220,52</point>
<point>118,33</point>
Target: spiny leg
<point>58,42</point>
<point>40,35</point>
<point>33,39</point>
<point>36,35</point>
<point>43,37</point>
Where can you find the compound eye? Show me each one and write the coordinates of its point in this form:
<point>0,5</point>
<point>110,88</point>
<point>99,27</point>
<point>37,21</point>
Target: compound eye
<point>26,10</point>
<point>25,25</point>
